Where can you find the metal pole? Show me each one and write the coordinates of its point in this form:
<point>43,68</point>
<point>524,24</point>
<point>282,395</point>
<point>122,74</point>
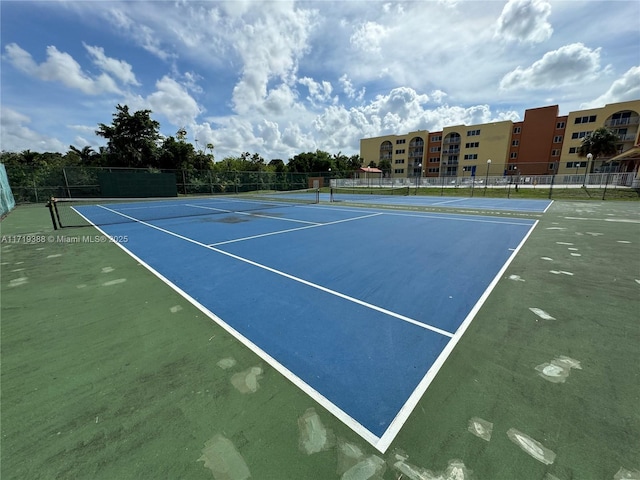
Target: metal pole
<point>486,178</point>
<point>586,170</point>
<point>66,181</point>
<point>605,187</point>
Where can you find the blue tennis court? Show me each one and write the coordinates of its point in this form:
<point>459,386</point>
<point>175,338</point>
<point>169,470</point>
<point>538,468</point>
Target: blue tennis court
<point>479,202</point>
<point>357,307</point>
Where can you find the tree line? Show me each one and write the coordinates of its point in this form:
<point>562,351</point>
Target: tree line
<point>134,141</point>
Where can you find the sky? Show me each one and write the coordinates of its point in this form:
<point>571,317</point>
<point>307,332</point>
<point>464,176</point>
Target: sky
<point>280,78</point>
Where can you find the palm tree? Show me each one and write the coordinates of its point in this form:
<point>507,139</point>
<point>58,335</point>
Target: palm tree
<point>599,143</point>
<point>86,154</point>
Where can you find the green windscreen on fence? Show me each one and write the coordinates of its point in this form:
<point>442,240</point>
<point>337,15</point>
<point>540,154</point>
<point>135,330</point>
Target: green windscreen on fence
<point>6,196</point>
<point>137,184</point>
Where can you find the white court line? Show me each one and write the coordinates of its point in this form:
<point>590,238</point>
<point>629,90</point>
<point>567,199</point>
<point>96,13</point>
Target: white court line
<point>291,277</point>
<point>380,443</point>
<point>292,230</point>
<point>345,418</point>
<point>251,214</point>
<point>438,216</point>
<point>398,422</point>
<point>448,201</point>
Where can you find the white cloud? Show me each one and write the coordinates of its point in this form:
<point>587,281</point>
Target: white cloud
<point>142,34</point>
<point>368,37</point>
<point>622,89</point>
<point>173,101</point>
<point>16,136</point>
<point>117,68</point>
<point>280,100</point>
<point>319,92</point>
<point>525,21</point>
<point>571,64</point>
<point>270,47</point>
<point>60,67</point>
<point>349,90</point>
<point>438,96</point>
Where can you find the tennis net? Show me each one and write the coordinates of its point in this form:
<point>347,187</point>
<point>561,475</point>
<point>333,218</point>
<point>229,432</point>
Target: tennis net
<point>346,194</point>
<point>78,212</point>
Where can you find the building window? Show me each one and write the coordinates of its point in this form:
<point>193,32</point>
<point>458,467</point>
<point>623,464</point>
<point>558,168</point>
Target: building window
<point>515,143</point>
<point>436,138</point>
<point>560,125</point>
<point>434,149</point>
<point>473,133</point>
<point>434,159</point>
<point>401,141</point>
<point>572,150</point>
<point>472,145</point>
<point>399,160</point>
<point>555,153</point>
<point>471,156</point>
<point>589,119</point>
<point>576,164</point>
<point>513,167</point>
<point>553,166</point>
<point>575,135</point>
<point>399,170</point>
<point>400,151</point>
<point>434,170</point>
<point>513,155</point>
<point>517,130</point>
<point>557,139</point>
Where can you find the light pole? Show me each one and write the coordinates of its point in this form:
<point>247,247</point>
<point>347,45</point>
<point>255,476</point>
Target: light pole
<point>586,169</point>
<point>486,177</point>
<point>418,177</point>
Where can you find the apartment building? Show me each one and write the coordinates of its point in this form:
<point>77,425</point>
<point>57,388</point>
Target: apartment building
<point>544,143</point>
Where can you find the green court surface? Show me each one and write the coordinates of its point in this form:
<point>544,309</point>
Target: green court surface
<point>107,373</point>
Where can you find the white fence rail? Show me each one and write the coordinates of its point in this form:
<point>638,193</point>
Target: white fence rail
<point>591,180</point>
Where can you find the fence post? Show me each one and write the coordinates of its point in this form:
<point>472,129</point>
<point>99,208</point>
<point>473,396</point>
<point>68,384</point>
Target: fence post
<point>35,188</point>
<point>553,178</point>
<point>605,186</point>
<point>66,181</point>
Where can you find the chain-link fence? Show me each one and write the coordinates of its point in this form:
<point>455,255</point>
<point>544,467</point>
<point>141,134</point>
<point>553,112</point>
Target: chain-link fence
<point>31,184</point>
<point>37,184</point>
<point>577,186</point>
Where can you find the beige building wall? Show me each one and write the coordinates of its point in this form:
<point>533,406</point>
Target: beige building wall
<point>467,146</point>
<point>406,152</point>
<point>494,141</point>
<point>623,118</point>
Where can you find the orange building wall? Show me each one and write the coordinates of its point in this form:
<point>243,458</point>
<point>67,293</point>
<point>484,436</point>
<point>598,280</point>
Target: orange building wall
<point>536,140</point>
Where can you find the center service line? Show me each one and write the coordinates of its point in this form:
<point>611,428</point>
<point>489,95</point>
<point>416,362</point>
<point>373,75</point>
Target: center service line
<point>292,230</point>
<point>291,277</point>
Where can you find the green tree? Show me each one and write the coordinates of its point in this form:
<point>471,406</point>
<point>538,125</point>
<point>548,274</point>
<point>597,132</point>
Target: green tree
<point>317,162</point>
<point>85,156</point>
<point>277,165</point>
<point>131,139</point>
<point>355,162</point>
<point>600,143</point>
<point>175,154</point>
<point>385,166</point>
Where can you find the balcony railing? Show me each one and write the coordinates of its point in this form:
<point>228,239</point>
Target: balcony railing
<point>615,122</point>
<point>627,138</point>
